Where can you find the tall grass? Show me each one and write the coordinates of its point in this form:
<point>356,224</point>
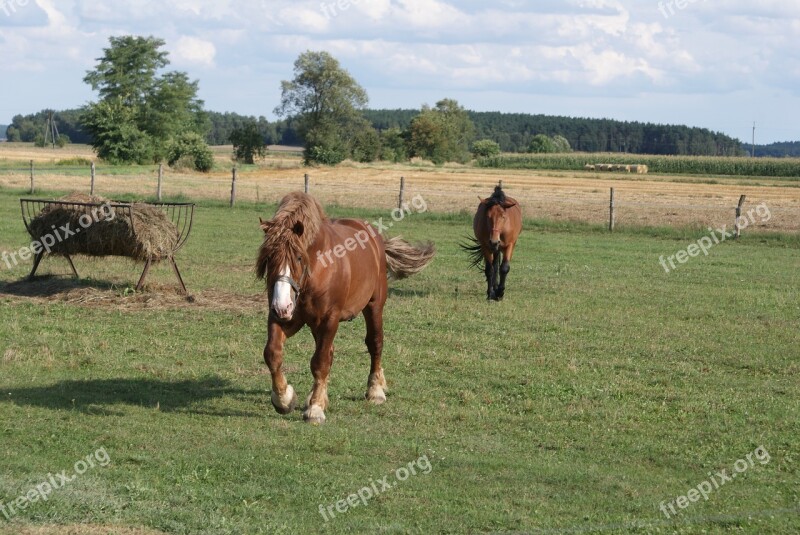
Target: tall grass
<point>708,165</point>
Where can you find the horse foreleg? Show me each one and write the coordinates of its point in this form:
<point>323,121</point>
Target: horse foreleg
<point>505,267</point>
<point>488,270</point>
<point>495,272</point>
<point>283,396</point>
<point>321,368</point>
<point>376,383</point>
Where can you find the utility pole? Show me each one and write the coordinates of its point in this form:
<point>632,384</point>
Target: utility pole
<point>753,154</point>
<point>51,129</point>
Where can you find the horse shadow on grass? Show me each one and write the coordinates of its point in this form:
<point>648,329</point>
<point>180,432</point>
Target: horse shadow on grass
<point>99,397</point>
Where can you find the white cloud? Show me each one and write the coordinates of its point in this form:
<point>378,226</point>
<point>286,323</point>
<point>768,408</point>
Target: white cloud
<point>468,49</point>
<point>194,51</point>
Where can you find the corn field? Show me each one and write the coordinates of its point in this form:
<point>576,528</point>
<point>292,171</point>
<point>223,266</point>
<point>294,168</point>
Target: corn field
<point>694,165</point>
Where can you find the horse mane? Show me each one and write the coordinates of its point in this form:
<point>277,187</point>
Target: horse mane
<point>499,198</point>
<point>289,234</point>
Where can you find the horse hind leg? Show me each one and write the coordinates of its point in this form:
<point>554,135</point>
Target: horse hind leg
<point>376,383</point>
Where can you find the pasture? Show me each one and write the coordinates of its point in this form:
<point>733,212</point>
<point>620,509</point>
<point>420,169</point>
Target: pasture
<point>598,390</point>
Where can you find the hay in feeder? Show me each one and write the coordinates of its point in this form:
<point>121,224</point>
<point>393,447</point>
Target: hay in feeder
<point>103,230</point>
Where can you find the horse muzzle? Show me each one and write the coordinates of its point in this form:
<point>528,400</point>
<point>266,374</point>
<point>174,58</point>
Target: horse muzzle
<point>283,313</point>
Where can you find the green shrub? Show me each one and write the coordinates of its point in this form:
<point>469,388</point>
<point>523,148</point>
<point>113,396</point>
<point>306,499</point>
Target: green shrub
<point>189,150</point>
<point>485,148</point>
<point>324,155</point>
<point>541,144</point>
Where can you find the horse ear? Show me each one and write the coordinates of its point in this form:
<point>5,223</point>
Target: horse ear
<point>298,228</point>
<point>509,203</point>
<point>263,225</point>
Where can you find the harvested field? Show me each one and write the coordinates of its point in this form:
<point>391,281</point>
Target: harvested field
<point>657,200</point>
<point>562,196</point>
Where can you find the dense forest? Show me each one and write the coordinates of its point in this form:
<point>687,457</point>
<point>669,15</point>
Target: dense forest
<point>27,127</point>
<point>512,131</point>
<point>779,150</point>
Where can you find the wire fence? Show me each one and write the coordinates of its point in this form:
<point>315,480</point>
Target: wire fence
<point>625,203</point>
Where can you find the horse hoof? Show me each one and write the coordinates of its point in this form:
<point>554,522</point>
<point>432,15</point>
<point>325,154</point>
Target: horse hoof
<point>376,396</point>
<point>286,403</point>
<point>314,415</point>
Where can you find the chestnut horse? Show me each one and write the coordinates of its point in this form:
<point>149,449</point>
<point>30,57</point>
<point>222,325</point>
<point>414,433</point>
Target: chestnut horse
<point>320,272</point>
<point>497,225</point>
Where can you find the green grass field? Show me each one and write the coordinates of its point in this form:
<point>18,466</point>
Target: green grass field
<point>598,390</point>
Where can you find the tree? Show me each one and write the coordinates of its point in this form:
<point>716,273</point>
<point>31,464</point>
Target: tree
<point>541,144</point>
<point>323,100</point>
<point>140,115</point>
<point>127,70</point>
<point>442,134</point>
<point>560,144</point>
<point>485,148</point>
<point>248,143</point>
<point>393,145</point>
<point>366,145</point>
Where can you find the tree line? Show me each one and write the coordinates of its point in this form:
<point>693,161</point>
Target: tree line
<point>585,135</point>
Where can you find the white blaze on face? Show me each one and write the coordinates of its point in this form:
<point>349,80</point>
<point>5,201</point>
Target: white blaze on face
<point>282,296</point>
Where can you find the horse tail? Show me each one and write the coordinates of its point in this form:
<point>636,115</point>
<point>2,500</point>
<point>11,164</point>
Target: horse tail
<point>473,248</point>
<point>404,259</point>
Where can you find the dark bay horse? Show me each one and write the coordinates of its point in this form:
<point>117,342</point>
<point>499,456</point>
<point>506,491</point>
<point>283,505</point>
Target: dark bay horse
<point>497,225</point>
<point>320,272</point>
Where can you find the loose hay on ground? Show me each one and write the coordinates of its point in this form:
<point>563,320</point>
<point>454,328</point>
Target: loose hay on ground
<point>150,234</point>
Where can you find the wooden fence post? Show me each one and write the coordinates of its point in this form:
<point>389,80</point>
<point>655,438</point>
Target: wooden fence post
<point>402,192</point>
<point>160,178</point>
<point>233,188</point>
<point>33,185</point>
<point>611,221</point>
<point>91,186</point>
<point>737,229</point>
<point>305,187</point>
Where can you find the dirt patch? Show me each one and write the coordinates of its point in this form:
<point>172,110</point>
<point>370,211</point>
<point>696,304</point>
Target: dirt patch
<point>106,295</point>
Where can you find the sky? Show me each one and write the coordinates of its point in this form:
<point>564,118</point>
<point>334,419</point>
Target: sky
<point>716,64</point>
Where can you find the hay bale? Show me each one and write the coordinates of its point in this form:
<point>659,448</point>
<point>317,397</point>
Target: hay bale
<point>99,231</point>
<point>588,167</point>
